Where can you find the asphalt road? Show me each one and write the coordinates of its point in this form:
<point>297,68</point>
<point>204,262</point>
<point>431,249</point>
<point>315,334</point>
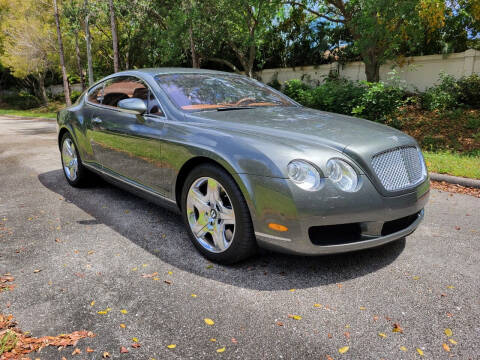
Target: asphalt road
<point>108,238</point>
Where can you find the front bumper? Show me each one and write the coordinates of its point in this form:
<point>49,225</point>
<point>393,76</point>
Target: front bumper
<point>279,201</point>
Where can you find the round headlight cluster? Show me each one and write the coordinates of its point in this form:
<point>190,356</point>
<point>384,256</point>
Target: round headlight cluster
<point>304,174</point>
<point>342,175</point>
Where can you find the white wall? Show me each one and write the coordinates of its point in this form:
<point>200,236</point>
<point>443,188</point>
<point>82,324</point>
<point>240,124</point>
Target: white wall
<point>418,72</point>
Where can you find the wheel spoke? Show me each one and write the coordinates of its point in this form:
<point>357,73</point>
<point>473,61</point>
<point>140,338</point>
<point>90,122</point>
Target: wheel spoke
<point>227,215</point>
<point>213,191</point>
<point>219,237</point>
<point>198,200</point>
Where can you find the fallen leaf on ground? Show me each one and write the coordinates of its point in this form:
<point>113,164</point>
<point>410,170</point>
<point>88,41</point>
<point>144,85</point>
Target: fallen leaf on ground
<point>18,343</point>
<point>347,334</point>
<point>221,350</point>
<point>89,350</point>
<point>106,354</point>
<point>171,346</point>
<point>37,270</point>
<point>446,347</point>
<point>344,349</point>
<point>383,335</point>
<point>329,335</point>
<point>134,339</point>
<point>375,318</point>
<point>397,328</point>
<point>208,321</point>
<point>294,317</point>
<point>193,295</point>
<point>420,351</point>
<point>453,341</point>
<point>403,348</point>
<point>363,308</point>
<point>123,311</point>
<point>104,312</point>
<point>416,277</point>
<point>329,357</point>
<point>209,266</point>
<point>169,282</point>
<point>135,345</point>
<point>123,350</point>
<point>123,326</point>
<point>135,269</point>
<point>292,290</point>
<point>317,305</point>
<point>170,273</point>
<point>213,340</point>
<point>450,287</point>
<point>92,303</point>
<point>279,323</point>
<point>150,275</point>
<point>235,341</point>
<point>448,332</point>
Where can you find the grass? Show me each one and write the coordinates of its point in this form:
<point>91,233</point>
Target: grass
<point>28,113</point>
<point>453,164</point>
<point>48,111</point>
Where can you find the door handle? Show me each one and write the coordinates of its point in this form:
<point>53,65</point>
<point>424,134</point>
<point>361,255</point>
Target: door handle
<point>97,120</point>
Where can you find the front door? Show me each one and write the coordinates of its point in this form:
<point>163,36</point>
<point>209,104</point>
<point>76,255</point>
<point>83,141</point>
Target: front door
<point>126,144</point>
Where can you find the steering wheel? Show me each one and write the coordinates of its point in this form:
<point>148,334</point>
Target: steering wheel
<point>244,100</point>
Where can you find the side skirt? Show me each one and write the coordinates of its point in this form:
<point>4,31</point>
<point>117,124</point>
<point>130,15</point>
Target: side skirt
<point>134,188</point>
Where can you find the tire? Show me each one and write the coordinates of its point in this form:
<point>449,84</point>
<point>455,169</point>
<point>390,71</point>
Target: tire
<point>218,240</point>
<point>72,163</point>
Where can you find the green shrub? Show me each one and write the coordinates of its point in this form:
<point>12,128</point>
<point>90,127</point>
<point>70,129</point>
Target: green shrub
<point>75,95</point>
<point>298,91</point>
<point>469,90</point>
<point>20,101</point>
<point>379,101</point>
<point>443,96</point>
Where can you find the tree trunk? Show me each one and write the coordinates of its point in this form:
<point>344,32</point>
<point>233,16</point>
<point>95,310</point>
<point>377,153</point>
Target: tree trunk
<point>372,68</point>
<point>89,44</point>
<point>79,62</point>
<point>114,36</point>
<point>42,90</point>
<point>66,88</point>
<point>195,57</point>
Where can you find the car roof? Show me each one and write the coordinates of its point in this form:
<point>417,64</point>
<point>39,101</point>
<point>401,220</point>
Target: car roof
<point>173,70</point>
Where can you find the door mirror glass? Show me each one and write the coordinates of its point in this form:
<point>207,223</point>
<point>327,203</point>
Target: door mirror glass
<point>133,105</point>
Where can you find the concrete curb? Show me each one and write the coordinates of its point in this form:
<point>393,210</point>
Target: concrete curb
<point>473,183</point>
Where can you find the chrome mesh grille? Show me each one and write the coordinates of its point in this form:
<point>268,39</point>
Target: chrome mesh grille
<point>399,168</point>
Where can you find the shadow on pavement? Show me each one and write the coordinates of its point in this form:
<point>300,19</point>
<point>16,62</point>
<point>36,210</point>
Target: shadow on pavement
<point>162,233</point>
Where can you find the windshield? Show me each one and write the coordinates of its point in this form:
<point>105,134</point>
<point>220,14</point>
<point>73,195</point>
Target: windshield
<point>200,92</point>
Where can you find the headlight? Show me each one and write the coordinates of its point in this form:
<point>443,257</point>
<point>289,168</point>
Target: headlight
<point>304,175</point>
<point>342,174</point>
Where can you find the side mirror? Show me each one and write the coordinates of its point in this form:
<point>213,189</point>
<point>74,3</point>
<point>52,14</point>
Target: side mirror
<point>133,105</point>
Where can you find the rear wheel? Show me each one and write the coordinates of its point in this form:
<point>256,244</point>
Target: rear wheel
<point>217,215</point>
<point>75,173</point>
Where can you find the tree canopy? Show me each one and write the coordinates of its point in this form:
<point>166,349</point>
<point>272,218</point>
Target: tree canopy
<point>233,35</point>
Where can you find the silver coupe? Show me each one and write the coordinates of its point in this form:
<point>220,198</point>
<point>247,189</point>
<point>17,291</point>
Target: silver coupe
<point>245,165</point>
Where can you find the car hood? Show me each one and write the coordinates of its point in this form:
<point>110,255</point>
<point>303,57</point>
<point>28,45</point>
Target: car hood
<point>344,133</point>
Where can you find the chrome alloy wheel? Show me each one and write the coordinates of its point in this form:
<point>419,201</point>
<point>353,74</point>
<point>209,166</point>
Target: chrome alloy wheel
<point>210,214</point>
<point>69,159</point>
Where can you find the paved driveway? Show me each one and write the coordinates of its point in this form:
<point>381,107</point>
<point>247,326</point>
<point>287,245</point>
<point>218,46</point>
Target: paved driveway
<point>95,244</point>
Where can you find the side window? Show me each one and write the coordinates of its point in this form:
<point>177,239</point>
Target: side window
<point>96,94</point>
<point>126,87</point>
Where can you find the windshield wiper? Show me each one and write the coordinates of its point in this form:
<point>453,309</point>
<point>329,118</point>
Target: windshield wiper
<point>228,108</point>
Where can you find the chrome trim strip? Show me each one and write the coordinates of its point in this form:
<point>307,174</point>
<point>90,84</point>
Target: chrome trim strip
<point>271,236</point>
<point>129,182</point>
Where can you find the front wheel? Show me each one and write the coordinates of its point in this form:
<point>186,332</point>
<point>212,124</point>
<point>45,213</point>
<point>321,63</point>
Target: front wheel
<point>217,215</point>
